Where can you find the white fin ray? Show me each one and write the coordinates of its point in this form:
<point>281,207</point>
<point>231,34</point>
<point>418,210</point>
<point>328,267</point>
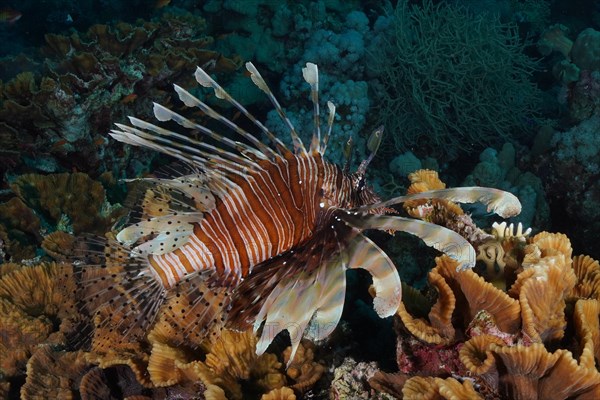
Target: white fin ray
<point>319,302</point>
<point>206,81</point>
<point>388,290</point>
<point>438,237</point>
<point>311,76</point>
<point>187,154</point>
<point>330,120</point>
<point>169,115</point>
<point>500,202</point>
<point>167,233</point>
<point>189,100</point>
<point>262,85</point>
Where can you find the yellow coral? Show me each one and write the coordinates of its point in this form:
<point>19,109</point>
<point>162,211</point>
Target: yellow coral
<point>303,370</point>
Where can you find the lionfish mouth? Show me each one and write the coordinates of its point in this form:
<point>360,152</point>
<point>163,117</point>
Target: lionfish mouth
<point>254,234</point>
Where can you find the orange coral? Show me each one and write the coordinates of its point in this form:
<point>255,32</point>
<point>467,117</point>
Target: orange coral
<point>31,299</point>
<point>427,388</point>
<point>303,370</point>
<point>233,357</point>
<point>587,271</point>
<point>464,293</point>
<point>432,210</point>
<point>506,354</point>
<point>524,372</point>
<point>284,393</point>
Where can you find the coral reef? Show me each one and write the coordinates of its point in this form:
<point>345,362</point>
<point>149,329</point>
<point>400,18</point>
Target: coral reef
<point>37,307</point>
<point>48,208</point>
<point>38,319</point>
<point>505,342</point>
<point>570,171</point>
<point>55,117</point>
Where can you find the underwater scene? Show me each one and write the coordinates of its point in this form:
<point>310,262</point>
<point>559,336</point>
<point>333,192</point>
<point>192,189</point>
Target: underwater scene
<point>279,200</point>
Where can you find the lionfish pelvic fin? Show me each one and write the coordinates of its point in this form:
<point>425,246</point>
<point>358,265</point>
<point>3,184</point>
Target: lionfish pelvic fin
<point>388,289</point>
<point>503,203</point>
<point>438,237</point>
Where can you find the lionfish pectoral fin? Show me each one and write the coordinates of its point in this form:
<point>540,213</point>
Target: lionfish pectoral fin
<point>386,281</point>
<point>500,202</point>
<point>159,235</point>
<point>115,290</point>
<point>301,291</point>
<point>314,312</point>
<point>438,237</point>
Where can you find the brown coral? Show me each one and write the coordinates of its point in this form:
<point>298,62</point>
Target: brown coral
<point>53,375</point>
<point>303,370</point>
<point>19,336</point>
<point>284,393</point>
<point>427,388</point>
<point>60,114</point>
<point>19,229</point>
<point>587,271</point>
<point>58,245</point>
<point>464,293</point>
<point>526,372</point>
<point>32,301</point>
<point>74,196</point>
<point>233,357</point>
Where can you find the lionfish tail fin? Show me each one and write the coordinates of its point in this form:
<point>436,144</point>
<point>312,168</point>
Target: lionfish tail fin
<point>438,237</point>
<point>115,290</point>
<point>388,289</point>
<point>500,202</point>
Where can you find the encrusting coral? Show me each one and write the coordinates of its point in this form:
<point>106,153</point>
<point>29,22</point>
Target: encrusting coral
<point>36,307</point>
<point>74,196</point>
<point>500,334</point>
<point>58,115</point>
<point>500,339</point>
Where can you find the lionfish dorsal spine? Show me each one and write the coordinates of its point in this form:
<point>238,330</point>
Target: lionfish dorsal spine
<point>311,76</point>
<point>262,85</point>
<point>191,101</point>
<point>330,120</point>
<point>206,81</point>
<point>191,145</point>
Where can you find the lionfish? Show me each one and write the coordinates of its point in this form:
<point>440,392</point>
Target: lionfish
<point>254,235</point>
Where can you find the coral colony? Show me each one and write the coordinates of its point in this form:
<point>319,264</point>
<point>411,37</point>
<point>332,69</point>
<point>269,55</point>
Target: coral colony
<point>313,200</point>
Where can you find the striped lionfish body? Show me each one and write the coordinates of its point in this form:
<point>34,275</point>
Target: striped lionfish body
<point>255,235</point>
